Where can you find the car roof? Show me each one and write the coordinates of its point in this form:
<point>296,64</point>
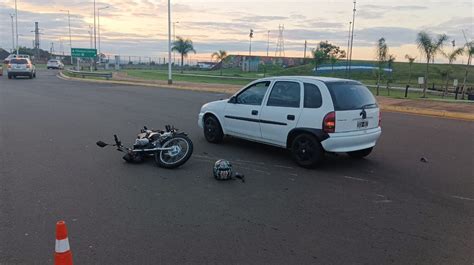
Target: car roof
<point>308,78</point>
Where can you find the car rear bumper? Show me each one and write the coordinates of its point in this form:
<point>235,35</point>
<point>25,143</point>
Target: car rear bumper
<point>351,141</point>
<point>20,72</point>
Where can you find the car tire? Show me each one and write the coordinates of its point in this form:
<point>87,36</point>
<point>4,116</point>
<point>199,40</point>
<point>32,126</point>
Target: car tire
<point>212,129</point>
<point>10,77</point>
<point>30,76</point>
<point>360,153</point>
<point>306,150</point>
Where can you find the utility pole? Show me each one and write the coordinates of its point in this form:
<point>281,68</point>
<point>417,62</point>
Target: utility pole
<point>170,77</point>
<point>13,34</point>
<point>268,41</point>
<point>98,22</point>
<point>352,37</point>
<point>16,27</point>
<point>90,36</point>
<point>305,45</point>
<point>348,48</point>
<point>250,46</point>
<point>70,38</point>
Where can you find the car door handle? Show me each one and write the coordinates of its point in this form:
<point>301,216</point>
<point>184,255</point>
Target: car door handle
<point>254,112</point>
<point>290,117</point>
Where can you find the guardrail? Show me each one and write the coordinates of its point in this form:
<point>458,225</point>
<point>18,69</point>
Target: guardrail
<point>106,75</point>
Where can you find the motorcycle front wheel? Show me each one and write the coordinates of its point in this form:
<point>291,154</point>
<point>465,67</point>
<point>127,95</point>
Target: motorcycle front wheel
<point>182,149</point>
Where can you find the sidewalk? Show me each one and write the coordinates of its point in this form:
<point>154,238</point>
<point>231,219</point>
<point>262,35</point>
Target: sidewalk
<point>436,108</point>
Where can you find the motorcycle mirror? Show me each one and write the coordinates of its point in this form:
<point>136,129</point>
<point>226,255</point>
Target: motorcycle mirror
<point>101,144</point>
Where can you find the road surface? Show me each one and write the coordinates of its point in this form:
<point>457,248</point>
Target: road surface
<point>390,208</point>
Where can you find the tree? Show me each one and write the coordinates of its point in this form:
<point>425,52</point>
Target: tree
<point>327,52</point>
<point>183,47</point>
<point>470,53</point>
<point>390,60</point>
<point>429,46</point>
<point>411,60</point>
<point>220,56</point>
<point>382,52</point>
<point>452,56</point>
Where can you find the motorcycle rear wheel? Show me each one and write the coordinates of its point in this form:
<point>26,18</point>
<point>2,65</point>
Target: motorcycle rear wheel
<point>176,157</point>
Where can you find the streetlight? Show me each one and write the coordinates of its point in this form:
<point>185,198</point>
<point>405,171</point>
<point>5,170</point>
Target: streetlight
<point>91,31</point>
<point>250,45</point>
<point>174,39</point>
<point>170,80</point>
<point>16,26</point>
<point>13,33</point>
<point>69,22</point>
<point>98,22</point>
<point>352,37</point>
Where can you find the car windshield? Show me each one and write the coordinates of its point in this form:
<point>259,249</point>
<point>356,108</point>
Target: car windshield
<point>350,95</point>
<point>19,61</point>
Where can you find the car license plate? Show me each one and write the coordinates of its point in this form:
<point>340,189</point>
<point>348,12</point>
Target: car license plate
<point>362,124</point>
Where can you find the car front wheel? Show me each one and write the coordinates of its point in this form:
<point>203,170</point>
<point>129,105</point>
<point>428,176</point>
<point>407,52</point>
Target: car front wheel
<point>360,153</point>
<point>307,151</point>
<point>212,129</point>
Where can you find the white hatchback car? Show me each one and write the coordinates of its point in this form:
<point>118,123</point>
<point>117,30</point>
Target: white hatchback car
<point>308,115</point>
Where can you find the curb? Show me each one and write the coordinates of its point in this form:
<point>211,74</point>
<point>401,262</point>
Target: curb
<point>389,108</point>
<point>62,76</point>
<point>431,113</point>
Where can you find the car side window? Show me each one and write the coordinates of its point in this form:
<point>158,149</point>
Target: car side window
<point>254,94</point>
<point>285,94</point>
<point>312,96</point>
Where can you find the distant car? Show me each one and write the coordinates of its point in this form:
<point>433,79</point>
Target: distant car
<point>21,67</point>
<point>54,64</point>
<point>307,115</point>
<point>1,70</point>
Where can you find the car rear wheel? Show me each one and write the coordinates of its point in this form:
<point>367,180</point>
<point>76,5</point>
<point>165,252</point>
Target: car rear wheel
<point>360,153</point>
<point>307,151</point>
<point>212,129</point>
<point>10,76</point>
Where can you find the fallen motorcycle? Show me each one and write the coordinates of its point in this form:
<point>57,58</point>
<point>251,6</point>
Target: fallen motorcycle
<point>169,147</point>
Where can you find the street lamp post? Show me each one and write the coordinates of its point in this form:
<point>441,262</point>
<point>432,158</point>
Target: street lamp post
<point>268,41</point>
<point>98,23</point>
<point>70,38</point>
<point>250,44</point>
<point>91,31</point>
<point>174,39</point>
<point>16,27</point>
<point>170,80</point>
<point>13,33</point>
<point>352,37</point>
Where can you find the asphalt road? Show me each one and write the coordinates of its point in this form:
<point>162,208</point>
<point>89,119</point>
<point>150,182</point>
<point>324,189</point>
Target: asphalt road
<point>387,209</point>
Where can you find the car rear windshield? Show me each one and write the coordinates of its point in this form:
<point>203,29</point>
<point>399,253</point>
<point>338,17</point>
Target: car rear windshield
<point>53,61</point>
<point>19,61</point>
<point>350,96</point>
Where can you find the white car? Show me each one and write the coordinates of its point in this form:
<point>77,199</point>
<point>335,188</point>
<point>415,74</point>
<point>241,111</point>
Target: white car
<point>54,64</point>
<point>308,115</point>
<point>21,67</point>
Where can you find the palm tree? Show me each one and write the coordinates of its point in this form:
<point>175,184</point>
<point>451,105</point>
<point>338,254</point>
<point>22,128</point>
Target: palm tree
<point>452,56</point>
<point>429,47</point>
<point>183,47</point>
<point>470,53</point>
<point>411,60</point>
<point>382,51</point>
<point>220,56</point>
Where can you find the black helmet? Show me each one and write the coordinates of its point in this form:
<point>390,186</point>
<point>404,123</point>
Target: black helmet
<point>222,170</point>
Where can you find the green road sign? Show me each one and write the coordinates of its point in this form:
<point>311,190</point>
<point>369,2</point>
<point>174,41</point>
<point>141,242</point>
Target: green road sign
<point>83,53</point>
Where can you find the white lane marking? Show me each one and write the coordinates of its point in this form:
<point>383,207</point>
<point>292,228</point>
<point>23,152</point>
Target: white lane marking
<point>462,198</point>
<point>383,201</point>
<point>358,179</point>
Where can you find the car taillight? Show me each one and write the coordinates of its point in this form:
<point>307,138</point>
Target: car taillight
<point>28,66</point>
<point>9,66</point>
<point>380,118</point>
<point>329,122</point>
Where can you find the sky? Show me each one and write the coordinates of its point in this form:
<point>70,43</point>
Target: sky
<point>139,27</point>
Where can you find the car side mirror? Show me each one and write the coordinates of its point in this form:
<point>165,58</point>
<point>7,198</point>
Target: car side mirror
<point>232,100</point>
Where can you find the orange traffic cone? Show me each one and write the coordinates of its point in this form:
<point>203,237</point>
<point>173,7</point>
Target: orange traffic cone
<point>62,255</point>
